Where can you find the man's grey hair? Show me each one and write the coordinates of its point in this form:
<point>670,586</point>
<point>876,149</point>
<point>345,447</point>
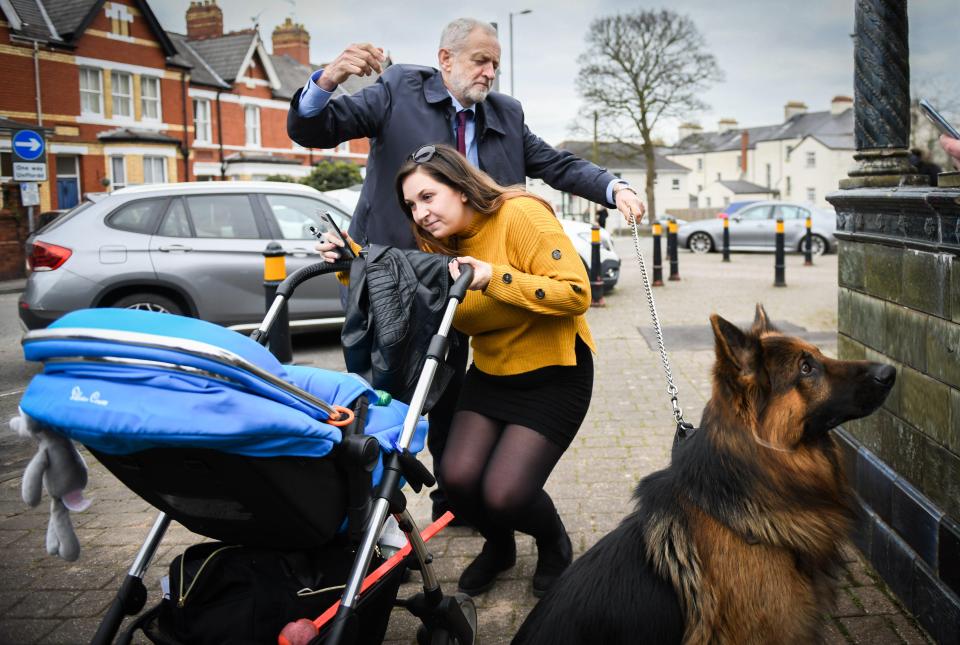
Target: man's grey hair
<point>455,35</point>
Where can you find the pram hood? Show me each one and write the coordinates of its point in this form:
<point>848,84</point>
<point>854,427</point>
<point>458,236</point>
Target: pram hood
<point>108,385</point>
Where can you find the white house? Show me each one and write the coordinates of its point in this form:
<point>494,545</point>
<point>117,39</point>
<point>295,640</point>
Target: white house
<point>671,187</point>
<point>802,159</point>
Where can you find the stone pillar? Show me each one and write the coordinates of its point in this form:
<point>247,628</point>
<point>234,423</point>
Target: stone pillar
<point>899,279</point>
<point>881,91</point>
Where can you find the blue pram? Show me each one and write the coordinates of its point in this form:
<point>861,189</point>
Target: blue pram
<point>208,427</point>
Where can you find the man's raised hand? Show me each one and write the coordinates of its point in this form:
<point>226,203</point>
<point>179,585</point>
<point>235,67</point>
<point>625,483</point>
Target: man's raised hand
<point>361,59</point>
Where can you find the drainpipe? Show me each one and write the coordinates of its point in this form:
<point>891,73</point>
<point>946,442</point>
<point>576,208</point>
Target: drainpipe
<point>36,80</point>
<point>223,168</point>
<point>185,146</point>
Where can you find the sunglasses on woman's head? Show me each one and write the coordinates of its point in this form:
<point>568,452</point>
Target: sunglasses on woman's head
<point>423,154</point>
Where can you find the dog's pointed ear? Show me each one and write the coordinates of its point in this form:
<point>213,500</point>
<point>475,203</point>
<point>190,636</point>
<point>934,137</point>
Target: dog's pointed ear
<point>731,343</point>
<point>761,322</point>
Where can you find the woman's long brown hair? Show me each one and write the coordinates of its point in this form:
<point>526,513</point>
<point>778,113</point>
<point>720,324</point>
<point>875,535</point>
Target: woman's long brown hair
<point>452,169</point>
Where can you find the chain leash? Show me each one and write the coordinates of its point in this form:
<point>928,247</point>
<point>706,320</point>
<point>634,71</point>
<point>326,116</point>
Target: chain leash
<point>683,427</point>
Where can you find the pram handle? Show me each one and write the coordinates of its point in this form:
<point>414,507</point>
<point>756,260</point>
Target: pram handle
<point>301,275</point>
<point>459,288</point>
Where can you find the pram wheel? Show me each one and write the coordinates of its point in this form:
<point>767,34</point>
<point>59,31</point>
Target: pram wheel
<point>440,635</point>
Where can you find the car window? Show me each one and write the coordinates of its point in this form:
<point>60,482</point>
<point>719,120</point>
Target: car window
<point>755,213</point>
<point>295,215</point>
<point>138,217</point>
<point>175,224</point>
<point>224,216</point>
<point>788,212</point>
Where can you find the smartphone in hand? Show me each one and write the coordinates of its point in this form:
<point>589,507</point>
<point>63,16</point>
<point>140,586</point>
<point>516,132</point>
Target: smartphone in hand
<point>937,119</point>
<point>329,226</point>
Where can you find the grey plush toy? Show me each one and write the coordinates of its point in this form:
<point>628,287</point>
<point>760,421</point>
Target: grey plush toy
<point>62,471</point>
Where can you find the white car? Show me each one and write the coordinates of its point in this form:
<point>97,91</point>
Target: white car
<point>580,233</point>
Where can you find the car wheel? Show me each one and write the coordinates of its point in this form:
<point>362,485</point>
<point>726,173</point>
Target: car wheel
<point>700,243</point>
<point>818,245</point>
<point>149,302</point>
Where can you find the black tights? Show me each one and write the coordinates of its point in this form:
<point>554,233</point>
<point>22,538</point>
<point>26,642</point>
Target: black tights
<point>493,474</point>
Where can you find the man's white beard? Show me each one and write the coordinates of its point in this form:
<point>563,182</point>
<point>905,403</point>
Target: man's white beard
<point>476,94</point>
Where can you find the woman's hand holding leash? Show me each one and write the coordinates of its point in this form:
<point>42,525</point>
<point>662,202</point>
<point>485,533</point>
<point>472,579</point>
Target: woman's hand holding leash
<point>328,245</point>
<point>482,272</point>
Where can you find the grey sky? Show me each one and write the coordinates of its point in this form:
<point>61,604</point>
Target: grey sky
<point>771,51</point>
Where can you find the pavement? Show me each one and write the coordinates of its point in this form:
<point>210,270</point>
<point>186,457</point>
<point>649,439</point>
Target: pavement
<point>12,286</point>
<point>626,435</point>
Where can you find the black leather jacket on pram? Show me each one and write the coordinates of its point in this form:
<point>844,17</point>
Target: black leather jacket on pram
<point>394,307</point>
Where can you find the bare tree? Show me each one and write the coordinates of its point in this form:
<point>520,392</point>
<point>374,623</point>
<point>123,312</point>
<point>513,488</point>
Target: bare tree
<point>639,68</point>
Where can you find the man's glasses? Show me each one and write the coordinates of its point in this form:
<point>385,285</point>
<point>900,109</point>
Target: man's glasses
<point>424,154</point>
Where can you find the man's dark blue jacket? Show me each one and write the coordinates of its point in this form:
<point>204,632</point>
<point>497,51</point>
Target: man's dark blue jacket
<point>408,107</point>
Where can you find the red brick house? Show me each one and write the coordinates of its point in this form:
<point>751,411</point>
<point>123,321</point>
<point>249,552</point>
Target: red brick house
<point>128,102</point>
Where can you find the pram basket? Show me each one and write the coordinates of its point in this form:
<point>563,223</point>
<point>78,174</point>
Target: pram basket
<point>245,489</point>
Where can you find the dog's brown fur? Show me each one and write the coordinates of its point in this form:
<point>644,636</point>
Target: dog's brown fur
<point>746,526</point>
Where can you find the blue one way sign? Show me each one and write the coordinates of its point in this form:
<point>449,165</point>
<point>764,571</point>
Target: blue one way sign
<point>28,145</point>
<point>29,156</point>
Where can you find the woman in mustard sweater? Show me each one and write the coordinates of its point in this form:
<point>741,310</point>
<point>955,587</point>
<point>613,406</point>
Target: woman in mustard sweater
<point>529,387</point>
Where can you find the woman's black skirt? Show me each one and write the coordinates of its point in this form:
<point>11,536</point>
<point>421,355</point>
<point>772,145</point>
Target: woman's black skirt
<point>552,400</point>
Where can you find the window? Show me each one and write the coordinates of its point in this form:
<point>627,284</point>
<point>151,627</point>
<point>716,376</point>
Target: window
<point>675,184</point>
<point>201,120</point>
<point>787,212</point>
<point>756,213</point>
<point>91,91</point>
<point>769,173</point>
<point>718,176</point>
<point>149,98</point>
<point>154,170</point>
<point>699,188</point>
<point>121,89</point>
<point>700,164</point>
<point>176,223</point>
<point>139,216</point>
<point>118,173</point>
<point>811,195</point>
<point>344,147</point>
<point>251,117</point>
<point>6,164</point>
<point>223,216</point>
<point>811,160</point>
<point>295,215</point>
<point>789,187</point>
<point>739,161</point>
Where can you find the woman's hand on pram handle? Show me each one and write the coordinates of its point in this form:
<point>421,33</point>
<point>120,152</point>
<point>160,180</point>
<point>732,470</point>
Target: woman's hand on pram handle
<point>329,246</point>
<point>482,271</point>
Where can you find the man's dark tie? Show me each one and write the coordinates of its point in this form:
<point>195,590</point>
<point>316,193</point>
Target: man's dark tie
<point>462,132</point>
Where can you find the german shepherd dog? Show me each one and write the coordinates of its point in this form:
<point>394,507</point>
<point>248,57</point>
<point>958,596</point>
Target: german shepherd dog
<point>739,539</point>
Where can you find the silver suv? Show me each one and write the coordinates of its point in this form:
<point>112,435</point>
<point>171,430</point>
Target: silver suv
<point>193,248</point>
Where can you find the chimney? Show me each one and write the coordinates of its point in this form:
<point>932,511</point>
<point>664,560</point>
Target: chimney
<point>725,125</point>
<point>744,144</point>
<point>792,108</point>
<point>204,20</point>
<point>292,39</point>
<point>840,104</point>
<point>686,129</point>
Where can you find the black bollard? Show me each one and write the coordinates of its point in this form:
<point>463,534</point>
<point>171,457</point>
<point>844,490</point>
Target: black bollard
<point>726,238</point>
<point>596,277</point>
<point>672,249</point>
<point>808,243</point>
<point>657,255</point>
<point>779,257</point>
<point>274,272</point>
